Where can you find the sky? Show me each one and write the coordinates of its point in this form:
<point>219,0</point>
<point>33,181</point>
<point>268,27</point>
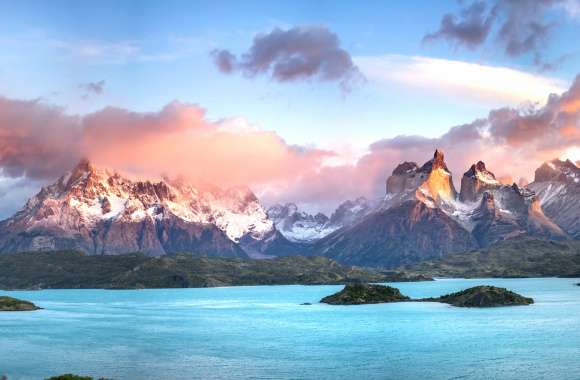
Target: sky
<point>310,102</point>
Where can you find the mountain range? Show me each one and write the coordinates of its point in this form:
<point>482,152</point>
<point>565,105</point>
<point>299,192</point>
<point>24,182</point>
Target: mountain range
<point>421,217</point>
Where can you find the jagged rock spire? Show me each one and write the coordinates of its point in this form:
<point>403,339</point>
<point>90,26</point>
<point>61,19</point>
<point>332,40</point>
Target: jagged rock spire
<point>475,181</point>
<point>431,183</point>
<point>437,162</point>
<point>438,158</point>
<point>478,167</point>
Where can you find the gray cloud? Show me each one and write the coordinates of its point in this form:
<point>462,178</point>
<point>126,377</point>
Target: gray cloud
<point>521,26</point>
<point>92,88</point>
<point>471,28</point>
<point>36,140</point>
<point>14,192</point>
<point>299,53</point>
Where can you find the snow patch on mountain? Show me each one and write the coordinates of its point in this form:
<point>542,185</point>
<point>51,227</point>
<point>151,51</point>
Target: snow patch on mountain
<point>88,196</point>
<point>299,226</point>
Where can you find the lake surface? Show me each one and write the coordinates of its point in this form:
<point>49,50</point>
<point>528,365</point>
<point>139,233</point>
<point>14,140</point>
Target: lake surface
<point>263,333</point>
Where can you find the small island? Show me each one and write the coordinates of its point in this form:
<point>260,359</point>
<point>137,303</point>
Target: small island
<point>478,296</point>
<point>482,296</point>
<point>70,376</point>
<point>14,304</point>
<point>358,294</point>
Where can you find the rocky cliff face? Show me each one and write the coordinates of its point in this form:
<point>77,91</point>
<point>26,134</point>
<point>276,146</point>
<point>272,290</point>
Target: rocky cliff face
<point>431,183</point>
<point>101,212</point>
<point>557,184</point>
<point>511,211</point>
<point>397,236</point>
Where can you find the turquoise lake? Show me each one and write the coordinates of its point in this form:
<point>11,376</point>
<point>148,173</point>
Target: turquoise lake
<point>263,332</point>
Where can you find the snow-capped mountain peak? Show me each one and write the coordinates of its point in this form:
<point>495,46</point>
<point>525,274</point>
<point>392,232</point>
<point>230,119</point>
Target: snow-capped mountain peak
<point>88,200</point>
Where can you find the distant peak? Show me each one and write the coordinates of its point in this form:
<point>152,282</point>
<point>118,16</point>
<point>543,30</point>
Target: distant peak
<point>558,170</point>
<point>480,166</point>
<point>479,170</point>
<point>82,168</point>
<point>84,165</point>
<point>437,162</point>
<point>405,167</point>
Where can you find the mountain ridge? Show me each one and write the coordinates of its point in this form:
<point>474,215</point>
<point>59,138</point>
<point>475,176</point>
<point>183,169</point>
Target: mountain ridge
<point>421,217</point>
<point>101,212</point>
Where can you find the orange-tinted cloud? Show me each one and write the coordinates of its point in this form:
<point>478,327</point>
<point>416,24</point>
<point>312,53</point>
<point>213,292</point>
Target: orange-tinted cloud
<point>36,140</point>
<point>178,140</point>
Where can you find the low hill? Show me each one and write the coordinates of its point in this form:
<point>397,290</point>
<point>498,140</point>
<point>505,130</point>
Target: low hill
<point>62,269</point>
<point>523,257</point>
<point>483,296</point>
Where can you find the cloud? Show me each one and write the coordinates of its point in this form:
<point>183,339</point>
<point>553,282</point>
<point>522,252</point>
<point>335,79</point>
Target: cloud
<point>465,80</point>
<point>36,140</point>
<point>39,142</point>
<point>14,192</point>
<point>572,7</point>
<point>520,26</point>
<point>92,88</point>
<point>512,142</point>
<point>299,53</point>
<point>470,29</point>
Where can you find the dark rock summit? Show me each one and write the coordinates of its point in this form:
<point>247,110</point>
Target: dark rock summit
<point>437,162</point>
<point>557,171</point>
<point>475,181</point>
<point>14,304</point>
<point>358,294</point>
<point>483,296</point>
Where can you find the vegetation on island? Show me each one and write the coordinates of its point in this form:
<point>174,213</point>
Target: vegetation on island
<point>70,376</point>
<point>482,296</point>
<point>478,296</point>
<point>14,304</point>
<point>358,294</point>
